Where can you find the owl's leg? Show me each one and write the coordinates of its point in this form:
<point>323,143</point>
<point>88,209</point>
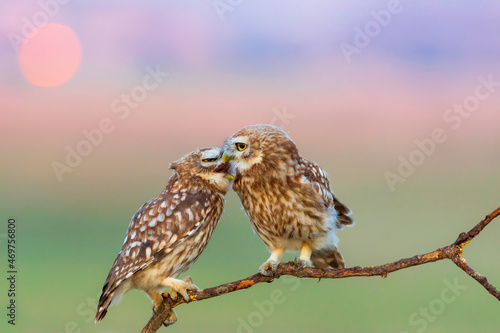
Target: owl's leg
<point>304,260</point>
<point>272,262</point>
<point>157,299</point>
<point>180,286</point>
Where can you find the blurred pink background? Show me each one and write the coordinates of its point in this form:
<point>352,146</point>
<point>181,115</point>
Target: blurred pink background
<point>357,113</point>
<point>225,74</point>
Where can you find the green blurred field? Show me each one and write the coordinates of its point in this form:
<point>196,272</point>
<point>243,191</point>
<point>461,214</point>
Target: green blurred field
<point>68,237</point>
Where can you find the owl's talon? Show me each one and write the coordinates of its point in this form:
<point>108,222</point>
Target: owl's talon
<point>182,288</point>
<point>302,263</point>
<point>171,319</point>
<point>268,265</point>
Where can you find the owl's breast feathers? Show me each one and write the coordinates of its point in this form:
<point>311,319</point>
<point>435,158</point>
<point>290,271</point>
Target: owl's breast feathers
<point>286,205</point>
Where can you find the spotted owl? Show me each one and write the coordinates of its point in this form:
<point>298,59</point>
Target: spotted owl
<point>168,233</point>
<point>287,198</point>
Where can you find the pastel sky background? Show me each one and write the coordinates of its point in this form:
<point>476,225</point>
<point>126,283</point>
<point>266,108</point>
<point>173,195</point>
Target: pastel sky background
<point>358,114</point>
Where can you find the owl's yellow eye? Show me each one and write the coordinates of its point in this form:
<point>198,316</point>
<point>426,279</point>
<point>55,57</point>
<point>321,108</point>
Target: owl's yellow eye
<point>241,146</point>
<point>209,159</point>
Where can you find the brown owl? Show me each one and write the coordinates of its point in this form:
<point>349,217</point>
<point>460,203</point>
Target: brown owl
<point>287,198</point>
<point>168,233</point>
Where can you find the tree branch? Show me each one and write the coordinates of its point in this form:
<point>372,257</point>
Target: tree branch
<point>452,252</point>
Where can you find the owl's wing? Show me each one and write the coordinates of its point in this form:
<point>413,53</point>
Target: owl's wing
<point>321,185</point>
<point>155,230</point>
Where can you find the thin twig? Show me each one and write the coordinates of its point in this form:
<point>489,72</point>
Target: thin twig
<point>460,262</point>
<point>452,252</point>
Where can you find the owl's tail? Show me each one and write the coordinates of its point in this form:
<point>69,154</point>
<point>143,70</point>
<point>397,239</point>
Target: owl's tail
<point>327,257</point>
<point>104,303</point>
<point>343,212</point>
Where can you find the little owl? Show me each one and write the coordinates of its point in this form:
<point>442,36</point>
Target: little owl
<point>168,233</point>
<point>287,198</point>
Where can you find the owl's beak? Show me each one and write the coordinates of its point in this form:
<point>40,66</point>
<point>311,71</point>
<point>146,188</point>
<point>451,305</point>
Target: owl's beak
<point>229,176</point>
<point>224,167</point>
<point>226,157</point>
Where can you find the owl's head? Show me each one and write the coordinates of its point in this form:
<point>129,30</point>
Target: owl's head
<point>203,165</point>
<point>265,146</point>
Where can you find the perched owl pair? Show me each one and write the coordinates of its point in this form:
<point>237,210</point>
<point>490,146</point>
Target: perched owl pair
<point>287,198</point>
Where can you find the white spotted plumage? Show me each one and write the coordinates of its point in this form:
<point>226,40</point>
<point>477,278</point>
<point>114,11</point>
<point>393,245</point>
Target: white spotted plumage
<point>162,239</point>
